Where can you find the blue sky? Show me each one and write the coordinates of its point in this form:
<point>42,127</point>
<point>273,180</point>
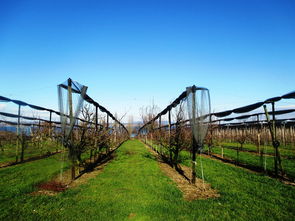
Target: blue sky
<point>133,53</point>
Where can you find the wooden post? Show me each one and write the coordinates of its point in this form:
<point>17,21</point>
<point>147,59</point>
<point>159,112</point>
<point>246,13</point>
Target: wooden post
<point>107,121</point>
<point>259,129</point>
<point>274,138</point>
<point>276,144</point>
<point>160,134</point>
<point>40,146</point>
<point>169,125</point>
<point>50,123</point>
<point>169,134</point>
<point>18,134</point>
<point>96,118</point>
<point>211,135</point>
<point>70,102</point>
<point>284,134</point>
<point>291,136</point>
<point>258,134</point>
<point>194,144</point>
<point>114,131</point>
<point>237,161</point>
<point>96,129</point>
<point>152,132</point>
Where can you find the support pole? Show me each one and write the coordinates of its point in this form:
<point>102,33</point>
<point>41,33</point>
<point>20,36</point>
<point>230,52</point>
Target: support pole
<point>169,124</point>
<point>95,139</point>
<point>274,138</point>
<point>284,134</point>
<point>211,135</point>
<point>70,102</point>
<point>160,134</point>
<point>107,128</point>
<point>169,134</point>
<point>107,122</point>
<point>276,143</point>
<point>50,124</point>
<point>18,134</point>
<point>194,147</point>
<point>261,152</point>
<point>96,118</point>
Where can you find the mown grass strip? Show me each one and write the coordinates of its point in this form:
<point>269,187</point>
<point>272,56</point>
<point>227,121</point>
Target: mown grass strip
<point>285,151</point>
<point>23,178</point>
<point>7,152</point>
<point>255,160</point>
<point>132,187</point>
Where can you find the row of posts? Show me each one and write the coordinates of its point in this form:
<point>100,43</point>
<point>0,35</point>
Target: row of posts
<point>194,143</point>
<point>272,128</point>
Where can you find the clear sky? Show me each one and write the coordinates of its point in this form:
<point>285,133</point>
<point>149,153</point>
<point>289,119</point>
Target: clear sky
<point>130,53</point>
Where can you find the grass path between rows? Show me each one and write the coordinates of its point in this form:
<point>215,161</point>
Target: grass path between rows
<point>132,187</point>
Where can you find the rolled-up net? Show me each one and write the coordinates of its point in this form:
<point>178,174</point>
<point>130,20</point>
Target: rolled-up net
<point>71,95</point>
<point>198,108</point>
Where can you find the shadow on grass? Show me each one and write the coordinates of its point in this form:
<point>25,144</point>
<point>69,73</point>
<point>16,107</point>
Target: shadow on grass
<point>150,156</point>
<point>29,159</point>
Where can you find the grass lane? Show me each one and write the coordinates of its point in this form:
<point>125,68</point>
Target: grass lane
<point>8,151</point>
<point>255,160</point>
<point>132,187</point>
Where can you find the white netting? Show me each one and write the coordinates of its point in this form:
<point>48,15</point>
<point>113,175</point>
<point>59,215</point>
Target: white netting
<point>198,108</point>
<point>71,96</point>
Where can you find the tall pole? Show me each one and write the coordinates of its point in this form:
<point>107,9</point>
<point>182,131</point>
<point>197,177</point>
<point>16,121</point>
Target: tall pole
<point>50,123</point>
<point>211,134</point>
<point>169,134</point>
<point>160,133</point>
<point>70,101</point>
<point>169,124</point>
<point>18,134</point>
<point>96,129</point>
<point>259,131</point>
<point>107,149</point>
<point>194,144</point>
<point>274,137</point>
<point>107,121</point>
<point>276,144</point>
<point>96,117</point>
<point>284,133</point>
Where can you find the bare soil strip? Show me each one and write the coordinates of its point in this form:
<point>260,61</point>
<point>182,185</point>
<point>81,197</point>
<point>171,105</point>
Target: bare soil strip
<point>200,190</point>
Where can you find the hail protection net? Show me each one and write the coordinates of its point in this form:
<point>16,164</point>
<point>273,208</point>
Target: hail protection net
<point>71,95</point>
<point>198,108</point>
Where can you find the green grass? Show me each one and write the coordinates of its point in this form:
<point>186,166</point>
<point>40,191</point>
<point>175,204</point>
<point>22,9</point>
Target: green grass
<point>32,150</point>
<point>21,179</point>
<point>133,187</point>
<point>285,151</point>
<point>247,158</point>
<point>254,160</point>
